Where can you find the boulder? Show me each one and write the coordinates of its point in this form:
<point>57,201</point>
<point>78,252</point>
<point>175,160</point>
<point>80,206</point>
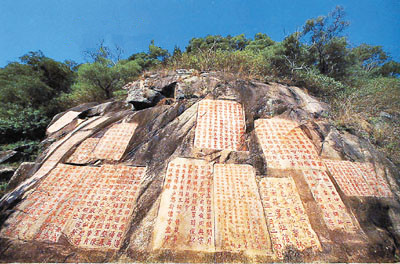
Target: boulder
<point>143,98</point>
<point>20,175</point>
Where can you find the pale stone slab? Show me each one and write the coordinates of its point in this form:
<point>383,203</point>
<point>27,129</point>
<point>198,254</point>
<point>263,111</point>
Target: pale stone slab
<point>84,153</point>
<point>91,206</point>
<point>104,205</point>
<point>56,152</point>
<point>375,180</point>
<point>94,122</point>
<point>287,220</point>
<point>358,179</point>
<point>59,153</point>
<point>220,125</point>
<point>285,146</point>
<point>64,120</point>
<point>332,207</point>
<point>115,141</point>
<point>185,218</point>
<point>239,218</point>
<point>62,184</point>
<point>43,202</point>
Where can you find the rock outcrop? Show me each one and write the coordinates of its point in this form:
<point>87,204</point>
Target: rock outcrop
<point>203,168</point>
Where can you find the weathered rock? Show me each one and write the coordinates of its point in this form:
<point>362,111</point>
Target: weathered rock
<point>6,173</point>
<point>142,98</point>
<point>9,156</point>
<point>335,224</point>
<point>62,121</point>
<point>102,109</point>
<point>20,175</point>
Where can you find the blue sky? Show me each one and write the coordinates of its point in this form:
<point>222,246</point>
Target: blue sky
<point>64,29</point>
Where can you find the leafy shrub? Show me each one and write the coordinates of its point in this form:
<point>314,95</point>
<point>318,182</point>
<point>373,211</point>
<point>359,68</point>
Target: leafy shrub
<point>18,123</point>
<point>245,62</point>
<point>318,83</point>
<point>29,148</point>
<point>97,81</point>
<point>364,109</point>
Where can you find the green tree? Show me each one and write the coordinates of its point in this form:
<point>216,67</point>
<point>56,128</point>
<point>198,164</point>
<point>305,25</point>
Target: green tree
<point>28,92</point>
<point>323,34</point>
<point>288,56</point>
<point>152,58</point>
<point>213,43</point>
<point>56,75</point>
<point>390,69</point>
<point>98,80</point>
<point>239,42</point>
<point>372,61</point>
<point>35,81</point>
<point>260,42</point>
<point>156,52</point>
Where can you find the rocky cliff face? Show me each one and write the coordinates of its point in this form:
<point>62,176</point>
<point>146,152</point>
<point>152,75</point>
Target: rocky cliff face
<point>203,167</point>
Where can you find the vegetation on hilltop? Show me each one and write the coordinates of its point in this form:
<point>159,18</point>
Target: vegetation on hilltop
<point>360,82</point>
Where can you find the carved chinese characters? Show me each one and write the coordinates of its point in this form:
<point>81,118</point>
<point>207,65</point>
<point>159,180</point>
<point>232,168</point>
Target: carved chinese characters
<point>106,203</point>
<point>358,179</point>
<point>285,146</point>
<point>91,206</point>
<point>287,220</point>
<point>185,219</point>
<point>375,180</point>
<point>220,125</point>
<point>115,141</point>
<point>43,202</point>
<point>333,210</point>
<point>83,153</point>
<point>57,220</point>
<point>239,216</point>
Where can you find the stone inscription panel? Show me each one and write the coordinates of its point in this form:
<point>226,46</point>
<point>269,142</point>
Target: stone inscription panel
<point>84,152</point>
<point>220,125</point>
<point>185,218</point>
<point>55,222</point>
<point>332,207</point>
<point>91,206</point>
<point>44,201</point>
<point>105,204</point>
<point>115,141</point>
<point>375,180</point>
<point>239,217</point>
<point>287,220</point>
<point>285,146</point>
<point>63,121</point>
<point>358,179</point>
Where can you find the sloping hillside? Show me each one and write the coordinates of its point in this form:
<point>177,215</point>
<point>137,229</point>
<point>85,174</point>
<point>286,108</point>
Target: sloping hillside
<point>203,168</point>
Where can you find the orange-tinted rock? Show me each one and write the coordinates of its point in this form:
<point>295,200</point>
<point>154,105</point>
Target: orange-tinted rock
<point>75,216</point>
<point>220,125</point>
<point>358,179</point>
<point>64,120</point>
<point>91,206</point>
<point>288,223</point>
<point>334,211</point>
<point>84,153</point>
<point>285,146</point>
<point>115,141</point>
<point>239,217</point>
<point>185,219</point>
